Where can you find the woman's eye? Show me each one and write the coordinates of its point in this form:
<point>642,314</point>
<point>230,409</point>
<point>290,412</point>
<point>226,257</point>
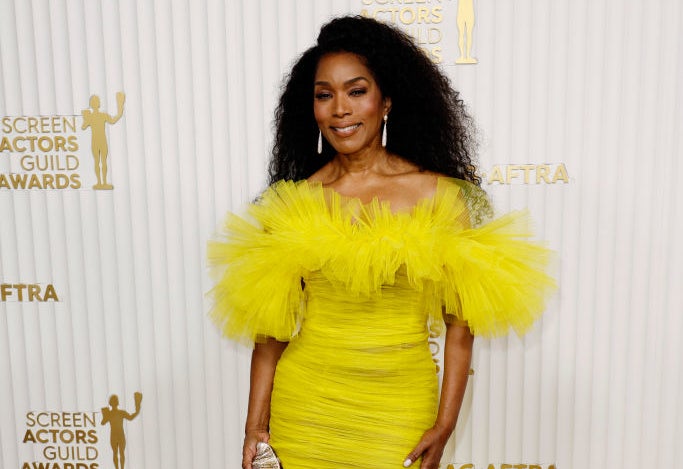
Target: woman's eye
<point>323,95</point>
<point>358,92</point>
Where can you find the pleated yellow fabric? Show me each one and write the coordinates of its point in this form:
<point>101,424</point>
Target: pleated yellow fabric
<point>356,288</point>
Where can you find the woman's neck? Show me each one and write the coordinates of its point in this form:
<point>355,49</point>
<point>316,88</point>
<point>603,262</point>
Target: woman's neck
<point>368,162</point>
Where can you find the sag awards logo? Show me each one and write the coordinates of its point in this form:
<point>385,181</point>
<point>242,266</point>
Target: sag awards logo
<point>530,174</point>
<point>45,152</point>
<point>114,417</point>
<point>70,440</point>
<point>27,292</point>
<point>96,120</point>
<point>444,29</point>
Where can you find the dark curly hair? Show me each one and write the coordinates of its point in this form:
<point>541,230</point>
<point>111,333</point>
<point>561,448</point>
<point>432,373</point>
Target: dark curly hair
<point>428,124</point>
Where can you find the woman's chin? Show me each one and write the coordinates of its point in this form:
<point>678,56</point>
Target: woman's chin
<point>354,149</point>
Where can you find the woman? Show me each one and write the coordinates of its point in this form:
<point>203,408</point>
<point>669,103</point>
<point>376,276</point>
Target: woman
<point>361,246</point>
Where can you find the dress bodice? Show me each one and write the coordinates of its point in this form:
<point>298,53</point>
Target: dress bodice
<point>393,317</point>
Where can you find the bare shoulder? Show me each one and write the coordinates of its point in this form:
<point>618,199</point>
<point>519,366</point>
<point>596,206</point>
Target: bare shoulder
<point>323,174</point>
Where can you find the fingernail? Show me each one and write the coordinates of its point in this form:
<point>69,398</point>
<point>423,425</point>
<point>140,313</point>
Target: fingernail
<point>407,462</point>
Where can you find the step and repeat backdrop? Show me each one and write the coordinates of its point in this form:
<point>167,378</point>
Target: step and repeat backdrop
<point>129,128</point>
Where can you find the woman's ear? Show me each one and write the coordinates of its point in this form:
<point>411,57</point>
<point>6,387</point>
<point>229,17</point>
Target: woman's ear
<point>387,104</point>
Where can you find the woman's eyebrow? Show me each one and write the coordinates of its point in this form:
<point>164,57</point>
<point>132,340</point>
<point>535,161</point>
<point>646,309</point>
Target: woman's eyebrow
<point>346,83</point>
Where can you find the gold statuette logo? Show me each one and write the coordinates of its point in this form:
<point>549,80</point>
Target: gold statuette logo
<point>96,120</point>
<point>114,416</point>
<point>465,21</point>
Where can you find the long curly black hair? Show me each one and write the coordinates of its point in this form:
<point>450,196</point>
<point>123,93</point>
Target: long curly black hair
<point>428,123</point>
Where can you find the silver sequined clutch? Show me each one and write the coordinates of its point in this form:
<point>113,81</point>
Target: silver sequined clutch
<point>265,457</point>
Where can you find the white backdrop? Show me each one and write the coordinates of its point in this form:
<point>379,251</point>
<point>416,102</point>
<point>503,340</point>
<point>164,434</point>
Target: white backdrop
<point>580,111</point>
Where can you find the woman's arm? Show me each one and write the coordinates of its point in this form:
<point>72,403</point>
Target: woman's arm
<point>457,358</point>
<point>264,359</point>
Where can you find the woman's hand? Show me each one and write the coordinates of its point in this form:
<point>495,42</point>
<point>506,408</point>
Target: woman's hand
<point>430,447</point>
<point>251,438</point>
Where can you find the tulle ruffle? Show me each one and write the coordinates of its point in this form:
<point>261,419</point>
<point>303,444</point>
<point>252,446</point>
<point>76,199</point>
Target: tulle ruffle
<point>488,274</point>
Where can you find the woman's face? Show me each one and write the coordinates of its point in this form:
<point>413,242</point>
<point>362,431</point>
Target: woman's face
<point>348,104</point>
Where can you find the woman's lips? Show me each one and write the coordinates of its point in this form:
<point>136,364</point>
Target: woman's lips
<point>345,131</point>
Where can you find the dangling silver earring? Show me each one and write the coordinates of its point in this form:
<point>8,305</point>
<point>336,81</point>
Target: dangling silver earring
<point>384,131</point>
<point>320,142</point>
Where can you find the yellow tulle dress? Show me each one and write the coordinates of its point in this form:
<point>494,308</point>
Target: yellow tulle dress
<point>356,289</point>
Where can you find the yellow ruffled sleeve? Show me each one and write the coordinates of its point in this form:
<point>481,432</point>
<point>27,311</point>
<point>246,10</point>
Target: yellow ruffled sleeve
<point>494,275</point>
<point>258,264</point>
<point>490,275</point>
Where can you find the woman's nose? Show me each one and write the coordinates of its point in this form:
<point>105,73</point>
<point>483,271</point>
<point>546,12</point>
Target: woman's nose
<point>341,106</point>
